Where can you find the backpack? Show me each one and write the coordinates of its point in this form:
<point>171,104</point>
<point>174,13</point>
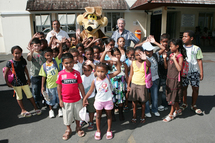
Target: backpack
<point>11,72</point>
<point>55,64</point>
<point>148,77</point>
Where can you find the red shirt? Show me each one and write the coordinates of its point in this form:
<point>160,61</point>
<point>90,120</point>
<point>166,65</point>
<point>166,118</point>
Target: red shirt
<point>69,82</point>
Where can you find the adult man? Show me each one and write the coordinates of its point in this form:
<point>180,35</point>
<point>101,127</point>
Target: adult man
<point>122,32</point>
<point>57,32</point>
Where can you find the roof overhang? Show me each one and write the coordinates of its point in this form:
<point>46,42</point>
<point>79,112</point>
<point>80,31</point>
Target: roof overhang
<point>151,4</point>
<point>65,5</point>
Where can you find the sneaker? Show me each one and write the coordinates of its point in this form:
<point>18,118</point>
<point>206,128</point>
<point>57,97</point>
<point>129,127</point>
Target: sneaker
<point>157,114</point>
<point>161,108</point>
<point>55,106</point>
<point>60,113</point>
<point>148,115</point>
<point>91,126</point>
<point>51,114</point>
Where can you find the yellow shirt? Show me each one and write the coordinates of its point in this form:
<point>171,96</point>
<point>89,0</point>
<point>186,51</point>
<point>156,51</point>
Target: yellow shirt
<point>138,74</point>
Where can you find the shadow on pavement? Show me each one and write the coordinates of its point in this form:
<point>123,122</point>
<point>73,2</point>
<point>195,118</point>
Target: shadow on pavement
<point>10,111</point>
<point>4,141</point>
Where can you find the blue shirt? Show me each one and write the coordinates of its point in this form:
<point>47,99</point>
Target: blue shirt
<point>127,35</point>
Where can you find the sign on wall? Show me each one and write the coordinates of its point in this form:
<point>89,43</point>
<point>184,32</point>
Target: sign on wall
<point>187,20</point>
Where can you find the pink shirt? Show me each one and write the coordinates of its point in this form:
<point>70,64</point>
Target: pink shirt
<point>69,82</point>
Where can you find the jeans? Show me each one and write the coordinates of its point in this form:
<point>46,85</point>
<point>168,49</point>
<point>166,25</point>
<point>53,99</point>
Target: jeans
<point>36,88</point>
<point>162,82</point>
<point>154,97</point>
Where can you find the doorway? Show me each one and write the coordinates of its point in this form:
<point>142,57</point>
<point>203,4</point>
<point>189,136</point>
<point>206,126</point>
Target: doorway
<point>155,28</point>
<point>171,24</point>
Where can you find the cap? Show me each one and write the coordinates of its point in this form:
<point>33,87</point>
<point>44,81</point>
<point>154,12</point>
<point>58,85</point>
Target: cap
<point>148,46</point>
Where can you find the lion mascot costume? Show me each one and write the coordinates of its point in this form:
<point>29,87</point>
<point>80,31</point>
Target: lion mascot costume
<point>92,20</point>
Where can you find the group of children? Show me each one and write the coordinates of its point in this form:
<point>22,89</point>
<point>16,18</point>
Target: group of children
<point>94,73</point>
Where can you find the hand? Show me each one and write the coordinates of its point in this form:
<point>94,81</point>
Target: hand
<point>88,62</point>
<point>142,55</point>
<point>63,40</point>
<point>9,85</point>
<point>36,35</point>
<point>151,39</point>
<point>114,59</point>
<point>78,32</point>
<point>29,82</point>
<point>201,76</point>
<point>128,88</point>
<point>42,89</point>
<point>61,103</point>
<point>53,33</point>
<point>107,48</point>
<point>85,103</point>
<point>173,57</point>
<point>164,55</point>
<point>31,49</point>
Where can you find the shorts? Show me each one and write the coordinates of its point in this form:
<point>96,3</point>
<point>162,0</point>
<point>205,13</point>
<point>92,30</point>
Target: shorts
<point>25,88</point>
<point>138,93</point>
<point>71,112</point>
<point>53,95</point>
<point>90,107</point>
<point>192,78</point>
<point>107,105</point>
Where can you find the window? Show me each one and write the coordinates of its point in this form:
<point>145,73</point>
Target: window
<point>68,22</point>
<point>206,20</point>
<point>112,20</point>
<point>42,23</point>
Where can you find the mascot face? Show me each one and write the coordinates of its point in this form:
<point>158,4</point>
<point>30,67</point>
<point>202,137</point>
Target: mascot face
<point>92,19</point>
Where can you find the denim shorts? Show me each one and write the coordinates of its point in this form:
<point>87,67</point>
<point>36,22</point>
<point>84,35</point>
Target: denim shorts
<point>53,95</point>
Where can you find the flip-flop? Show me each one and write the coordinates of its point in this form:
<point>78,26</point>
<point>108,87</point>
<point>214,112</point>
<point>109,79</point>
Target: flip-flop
<point>97,136</point>
<point>109,135</point>
<point>197,111</point>
<point>80,133</point>
<point>67,135</point>
<point>183,106</point>
<point>38,112</point>
<point>142,120</point>
<point>133,120</point>
<point>26,114</point>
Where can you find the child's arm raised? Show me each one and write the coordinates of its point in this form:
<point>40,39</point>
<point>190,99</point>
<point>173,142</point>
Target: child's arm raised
<point>59,89</point>
<point>200,68</point>
<point>117,67</point>
<point>152,40</point>
<point>60,49</point>
<point>143,57</point>
<point>102,59</point>
<point>130,77</point>
<point>85,102</point>
<point>178,63</point>
<point>90,63</point>
<point>26,71</point>
<point>30,54</point>
<point>165,60</point>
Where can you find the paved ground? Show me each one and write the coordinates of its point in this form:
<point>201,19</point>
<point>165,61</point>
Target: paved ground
<point>186,128</point>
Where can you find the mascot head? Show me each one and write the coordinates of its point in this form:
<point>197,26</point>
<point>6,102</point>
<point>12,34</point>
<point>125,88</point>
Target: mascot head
<point>92,20</point>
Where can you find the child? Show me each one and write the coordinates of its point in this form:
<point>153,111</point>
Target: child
<point>136,83</point>
<point>73,42</point>
<point>96,51</point>
<point>36,58</point>
<point>195,74</point>
<point>49,71</point>
<point>162,72</point>
<point>44,44</point>
<point>70,100</point>
<point>109,43</point>
<point>121,46</point>
<point>77,65</point>
<point>173,82</point>
<point>65,48</point>
<point>19,82</point>
<point>155,78</point>
<point>100,44</point>
<point>90,56</point>
<point>118,82</point>
<point>80,48</point>
<point>87,79</point>
<point>103,99</point>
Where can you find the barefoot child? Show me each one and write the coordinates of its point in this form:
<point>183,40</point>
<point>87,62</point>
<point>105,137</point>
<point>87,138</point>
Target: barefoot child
<point>136,83</point>
<point>70,100</point>
<point>19,82</point>
<point>103,99</point>
<point>173,81</point>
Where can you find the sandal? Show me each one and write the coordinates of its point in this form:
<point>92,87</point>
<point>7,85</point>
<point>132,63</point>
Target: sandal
<point>177,112</point>
<point>91,126</point>
<point>109,135</point>
<point>97,136</point>
<point>80,132</point>
<point>183,106</point>
<point>168,118</point>
<point>197,111</point>
<point>67,135</point>
<point>142,120</point>
<point>26,114</point>
<point>133,120</point>
<point>38,112</point>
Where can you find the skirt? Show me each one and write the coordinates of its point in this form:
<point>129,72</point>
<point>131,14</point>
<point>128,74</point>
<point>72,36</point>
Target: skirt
<point>138,93</point>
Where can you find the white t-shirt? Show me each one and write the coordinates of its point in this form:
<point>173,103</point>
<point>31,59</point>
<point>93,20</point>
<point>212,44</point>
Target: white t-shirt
<point>59,35</point>
<point>77,67</point>
<point>104,92</point>
<point>123,58</point>
<point>86,81</point>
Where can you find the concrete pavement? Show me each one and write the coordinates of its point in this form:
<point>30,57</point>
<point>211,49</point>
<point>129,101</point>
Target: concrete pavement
<point>188,127</point>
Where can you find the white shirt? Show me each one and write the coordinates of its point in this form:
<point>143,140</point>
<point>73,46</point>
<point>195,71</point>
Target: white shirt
<point>123,58</point>
<point>77,67</point>
<point>86,81</point>
<point>104,92</point>
<point>59,35</point>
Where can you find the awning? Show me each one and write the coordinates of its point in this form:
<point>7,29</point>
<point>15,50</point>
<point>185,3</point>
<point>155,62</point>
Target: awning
<point>151,4</point>
<point>60,5</point>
